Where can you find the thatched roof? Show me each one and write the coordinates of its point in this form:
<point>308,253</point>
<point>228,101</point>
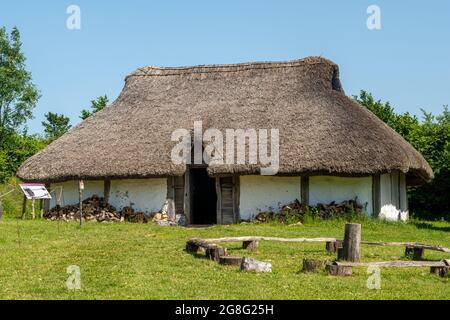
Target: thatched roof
<point>322,131</point>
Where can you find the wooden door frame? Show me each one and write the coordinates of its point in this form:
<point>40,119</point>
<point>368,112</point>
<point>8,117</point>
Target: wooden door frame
<point>236,198</point>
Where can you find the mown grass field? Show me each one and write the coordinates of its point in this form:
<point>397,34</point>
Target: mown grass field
<point>131,261</point>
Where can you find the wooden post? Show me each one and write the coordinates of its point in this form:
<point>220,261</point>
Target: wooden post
<point>106,190</point>
<point>33,209</point>
<point>376,195</point>
<point>80,191</point>
<point>47,201</point>
<point>304,190</point>
<point>1,210</point>
<point>24,207</point>
<point>41,208</point>
<point>352,242</point>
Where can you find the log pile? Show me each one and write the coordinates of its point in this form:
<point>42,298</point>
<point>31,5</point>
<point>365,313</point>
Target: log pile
<point>296,211</point>
<point>95,208</point>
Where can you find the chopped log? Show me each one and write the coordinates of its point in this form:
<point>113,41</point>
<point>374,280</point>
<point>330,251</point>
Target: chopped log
<point>312,265</point>
<point>342,271</point>
<point>398,264</point>
<point>249,238</point>
<point>215,253</point>
<point>202,243</point>
<point>250,264</point>
<point>230,260</point>
<point>440,271</point>
<point>250,245</point>
<point>417,253</point>
<point>333,246</point>
<point>352,242</point>
<point>191,247</point>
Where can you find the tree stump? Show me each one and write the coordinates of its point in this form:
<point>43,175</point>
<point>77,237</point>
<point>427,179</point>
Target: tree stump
<point>440,271</point>
<point>215,253</point>
<point>333,246</point>
<point>250,245</point>
<point>311,265</point>
<point>250,264</point>
<point>191,247</point>
<point>352,242</point>
<point>415,253</point>
<point>230,260</point>
<point>342,271</point>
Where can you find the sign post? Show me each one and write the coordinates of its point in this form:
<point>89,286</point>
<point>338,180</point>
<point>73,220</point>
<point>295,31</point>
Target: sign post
<point>33,191</point>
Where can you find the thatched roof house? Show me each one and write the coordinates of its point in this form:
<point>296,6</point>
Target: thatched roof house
<point>325,137</point>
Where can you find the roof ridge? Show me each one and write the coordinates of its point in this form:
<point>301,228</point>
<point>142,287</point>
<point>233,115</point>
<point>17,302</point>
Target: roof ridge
<point>220,68</point>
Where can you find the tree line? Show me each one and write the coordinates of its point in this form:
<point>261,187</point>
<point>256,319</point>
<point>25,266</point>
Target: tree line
<point>430,135</point>
<point>18,98</point>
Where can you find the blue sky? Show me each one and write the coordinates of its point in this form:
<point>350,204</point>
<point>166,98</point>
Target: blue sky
<point>406,62</point>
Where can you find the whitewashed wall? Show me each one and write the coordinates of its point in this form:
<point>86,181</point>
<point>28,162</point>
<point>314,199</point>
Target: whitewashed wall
<point>325,189</point>
<point>263,193</point>
<point>147,195</point>
<point>67,192</point>
<point>393,197</point>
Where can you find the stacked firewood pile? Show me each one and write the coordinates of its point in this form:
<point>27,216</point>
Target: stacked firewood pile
<point>297,212</point>
<point>95,208</point>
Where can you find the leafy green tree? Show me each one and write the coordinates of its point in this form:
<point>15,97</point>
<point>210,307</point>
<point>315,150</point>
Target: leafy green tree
<point>55,125</point>
<point>96,105</point>
<point>18,148</point>
<point>18,95</point>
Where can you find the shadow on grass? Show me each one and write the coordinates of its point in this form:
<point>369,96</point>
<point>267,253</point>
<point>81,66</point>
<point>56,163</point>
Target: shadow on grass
<point>430,226</point>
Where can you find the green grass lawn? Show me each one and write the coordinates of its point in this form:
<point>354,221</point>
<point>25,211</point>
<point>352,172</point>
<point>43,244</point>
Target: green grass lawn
<point>132,261</point>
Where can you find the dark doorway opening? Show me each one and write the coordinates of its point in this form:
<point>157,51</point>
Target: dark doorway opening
<point>203,197</point>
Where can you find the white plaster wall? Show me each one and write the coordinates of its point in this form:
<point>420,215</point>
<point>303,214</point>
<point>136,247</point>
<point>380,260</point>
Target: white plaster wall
<point>325,189</point>
<point>67,192</point>
<point>263,193</point>
<point>147,195</point>
<point>393,197</point>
